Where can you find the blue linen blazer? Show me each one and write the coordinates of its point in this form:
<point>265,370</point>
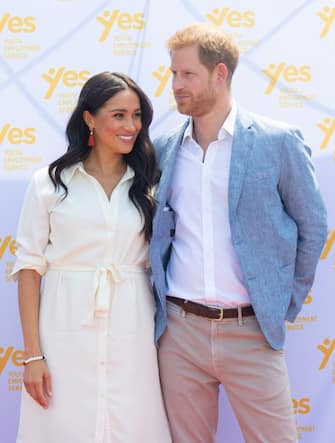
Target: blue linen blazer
<point>276,213</point>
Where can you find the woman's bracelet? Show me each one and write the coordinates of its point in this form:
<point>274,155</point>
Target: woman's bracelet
<point>36,358</point>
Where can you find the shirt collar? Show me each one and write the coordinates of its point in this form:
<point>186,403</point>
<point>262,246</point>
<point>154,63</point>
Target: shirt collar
<point>229,124</point>
<point>226,128</point>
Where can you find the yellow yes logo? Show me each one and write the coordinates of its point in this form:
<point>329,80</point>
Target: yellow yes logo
<point>162,75</point>
<point>7,354</point>
<point>327,348</point>
<point>308,299</point>
<point>17,24</point>
<point>328,245</point>
<point>68,78</point>
<point>16,136</point>
<point>327,126</point>
<point>123,20</point>
<point>7,243</point>
<point>233,18</point>
<point>327,15</point>
<point>301,406</point>
<point>289,73</point>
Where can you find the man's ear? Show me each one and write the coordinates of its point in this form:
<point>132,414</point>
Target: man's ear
<point>222,72</point>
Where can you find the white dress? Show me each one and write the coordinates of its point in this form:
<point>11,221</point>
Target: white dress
<point>96,314</point>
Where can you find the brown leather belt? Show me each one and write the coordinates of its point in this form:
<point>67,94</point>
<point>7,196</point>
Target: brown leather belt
<point>208,311</point>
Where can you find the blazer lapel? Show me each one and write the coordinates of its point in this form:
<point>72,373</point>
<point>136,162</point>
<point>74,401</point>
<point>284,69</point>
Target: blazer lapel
<point>242,144</point>
<point>167,163</point>
<point>243,140</point>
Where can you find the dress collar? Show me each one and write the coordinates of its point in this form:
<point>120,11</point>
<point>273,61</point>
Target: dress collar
<point>68,173</point>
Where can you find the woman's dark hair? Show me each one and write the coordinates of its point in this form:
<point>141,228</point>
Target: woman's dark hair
<point>96,91</point>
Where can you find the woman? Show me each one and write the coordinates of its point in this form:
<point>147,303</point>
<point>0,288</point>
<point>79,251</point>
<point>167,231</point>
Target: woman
<point>90,361</point>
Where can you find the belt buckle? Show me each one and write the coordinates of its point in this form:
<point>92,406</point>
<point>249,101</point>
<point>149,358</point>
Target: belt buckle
<point>221,317</point>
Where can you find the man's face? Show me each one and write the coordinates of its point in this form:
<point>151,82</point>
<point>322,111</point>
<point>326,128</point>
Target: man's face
<point>192,84</point>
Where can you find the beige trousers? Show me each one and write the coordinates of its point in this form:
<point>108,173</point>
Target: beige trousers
<point>197,355</point>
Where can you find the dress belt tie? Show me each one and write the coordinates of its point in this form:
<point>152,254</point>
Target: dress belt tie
<point>101,292</point>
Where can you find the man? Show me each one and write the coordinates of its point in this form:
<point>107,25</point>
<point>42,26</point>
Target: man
<point>237,235</point>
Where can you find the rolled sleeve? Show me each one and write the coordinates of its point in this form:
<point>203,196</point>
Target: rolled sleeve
<point>33,231</point>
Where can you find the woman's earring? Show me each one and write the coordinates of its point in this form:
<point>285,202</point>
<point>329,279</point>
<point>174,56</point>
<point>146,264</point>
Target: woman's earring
<point>91,141</point>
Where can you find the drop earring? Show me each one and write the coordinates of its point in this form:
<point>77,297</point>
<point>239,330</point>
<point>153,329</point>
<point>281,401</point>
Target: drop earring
<point>91,141</point>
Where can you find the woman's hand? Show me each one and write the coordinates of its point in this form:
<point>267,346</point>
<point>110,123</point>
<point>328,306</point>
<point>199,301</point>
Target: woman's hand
<point>37,381</point>
<point>36,377</point>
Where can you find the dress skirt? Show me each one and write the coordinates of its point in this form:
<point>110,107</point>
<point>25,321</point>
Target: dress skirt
<point>104,371</point>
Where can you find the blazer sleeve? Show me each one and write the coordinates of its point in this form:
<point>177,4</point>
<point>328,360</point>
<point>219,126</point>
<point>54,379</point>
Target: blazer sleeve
<point>302,200</point>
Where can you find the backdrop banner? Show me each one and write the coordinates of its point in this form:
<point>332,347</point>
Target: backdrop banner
<point>48,49</point>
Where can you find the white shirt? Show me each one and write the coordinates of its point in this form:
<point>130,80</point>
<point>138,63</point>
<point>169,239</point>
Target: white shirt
<point>203,266</point>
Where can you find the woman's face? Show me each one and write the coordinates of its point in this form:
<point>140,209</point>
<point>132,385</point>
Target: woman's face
<point>117,123</point>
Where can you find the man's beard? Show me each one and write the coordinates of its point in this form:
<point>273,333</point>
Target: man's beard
<point>196,106</point>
